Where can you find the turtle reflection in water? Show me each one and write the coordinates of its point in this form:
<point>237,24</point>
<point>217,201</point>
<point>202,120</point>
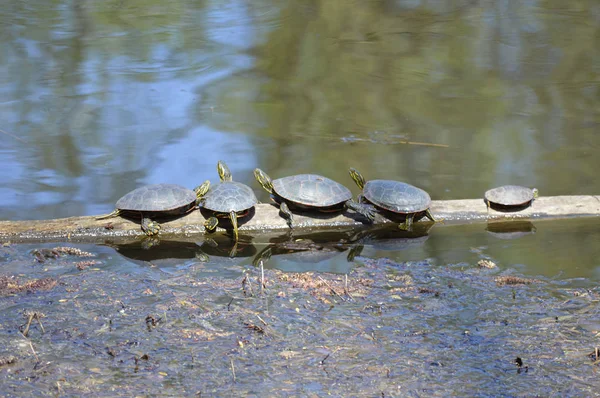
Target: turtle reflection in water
<point>310,192</point>
<point>510,197</point>
<point>228,199</point>
<point>394,197</point>
<point>155,201</point>
<point>511,229</point>
<point>306,251</point>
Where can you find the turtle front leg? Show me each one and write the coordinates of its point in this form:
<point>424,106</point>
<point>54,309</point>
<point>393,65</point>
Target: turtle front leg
<point>367,211</point>
<point>115,213</point>
<point>407,224</point>
<point>211,224</point>
<point>150,228</point>
<point>234,223</point>
<point>287,214</point>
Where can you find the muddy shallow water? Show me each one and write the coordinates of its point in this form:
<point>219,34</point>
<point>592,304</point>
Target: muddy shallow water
<point>393,322</point>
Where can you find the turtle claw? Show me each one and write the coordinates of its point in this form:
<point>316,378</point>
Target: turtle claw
<point>150,228</point>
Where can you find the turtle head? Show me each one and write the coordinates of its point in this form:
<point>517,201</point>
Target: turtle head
<point>536,193</point>
<point>264,180</point>
<point>223,170</point>
<point>357,177</point>
<point>202,189</point>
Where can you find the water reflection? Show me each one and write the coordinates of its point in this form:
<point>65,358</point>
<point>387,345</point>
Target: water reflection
<point>223,246</point>
<point>153,249</point>
<point>335,251</point>
<point>390,238</point>
<point>165,252</point>
<point>510,230</point>
<point>100,98</point>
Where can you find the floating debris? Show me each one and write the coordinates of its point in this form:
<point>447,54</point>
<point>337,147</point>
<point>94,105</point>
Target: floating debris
<point>427,290</point>
<point>7,360</point>
<point>254,328</point>
<point>81,265</point>
<point>320,288</point>
<point>11,285</point>
<point>520,367</point>
<point>514,280</point>
<point>72,251</point>
<point>42,254</point>
<point>489,264</point>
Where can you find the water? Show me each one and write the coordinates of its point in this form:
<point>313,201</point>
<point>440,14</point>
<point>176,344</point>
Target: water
<point>99,98</point>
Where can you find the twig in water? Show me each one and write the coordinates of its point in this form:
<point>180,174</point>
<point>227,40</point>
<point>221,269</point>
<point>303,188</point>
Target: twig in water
<point>232,369</point>
<point>13,136</point>
<point>262,278</point>
<point>229,305</point>
<point>346,290</point>
<point>323,360</point>
<point>262,320</point>
<point>32,350</point>
<point>332,289</point>
<point>26,331</point>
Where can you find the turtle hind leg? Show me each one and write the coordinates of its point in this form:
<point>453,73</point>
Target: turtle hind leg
<point>429,215</point>
<point>150,228</point>
<point>234,224</point>
<point>115,213</point>
<point>287,214</point>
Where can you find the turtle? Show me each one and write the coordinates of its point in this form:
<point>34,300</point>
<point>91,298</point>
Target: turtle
<point>157,200</point>
<point>394,197</point>
<point>510,197</point>
<point>312,192</point>
<point>227,199</point>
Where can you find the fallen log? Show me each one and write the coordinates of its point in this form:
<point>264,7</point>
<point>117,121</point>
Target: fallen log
<point>266,218</point>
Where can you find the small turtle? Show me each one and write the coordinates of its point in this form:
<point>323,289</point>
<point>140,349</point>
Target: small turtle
<point>510,197</point>
<point>312,192</point>
<point>227,199</point>
<point>157,200</point>
<point>394,197</point>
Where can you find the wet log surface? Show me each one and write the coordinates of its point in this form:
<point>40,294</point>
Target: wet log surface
<point>265,218</point>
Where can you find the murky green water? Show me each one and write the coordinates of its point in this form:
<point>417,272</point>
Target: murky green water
<point>99,98</point>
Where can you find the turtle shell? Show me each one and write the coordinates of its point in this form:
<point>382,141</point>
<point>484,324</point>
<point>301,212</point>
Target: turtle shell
<point>229,195</point>
<point>396,196</point>
<point>158,198</point>
<point>510,195</point>
<point>311,190</point>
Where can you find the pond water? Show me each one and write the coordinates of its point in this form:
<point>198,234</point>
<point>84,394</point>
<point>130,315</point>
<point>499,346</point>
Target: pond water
<point>99,98</point>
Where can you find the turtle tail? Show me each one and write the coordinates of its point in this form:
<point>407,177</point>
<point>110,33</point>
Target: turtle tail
<point>115,213</point>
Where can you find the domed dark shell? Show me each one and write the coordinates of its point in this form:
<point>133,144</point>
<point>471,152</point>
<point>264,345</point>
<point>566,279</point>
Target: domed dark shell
<point>157,198</point>
<point>229,195</point>
<point>311,190</point>
<point>510,195</point>
<point>396,196</point>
